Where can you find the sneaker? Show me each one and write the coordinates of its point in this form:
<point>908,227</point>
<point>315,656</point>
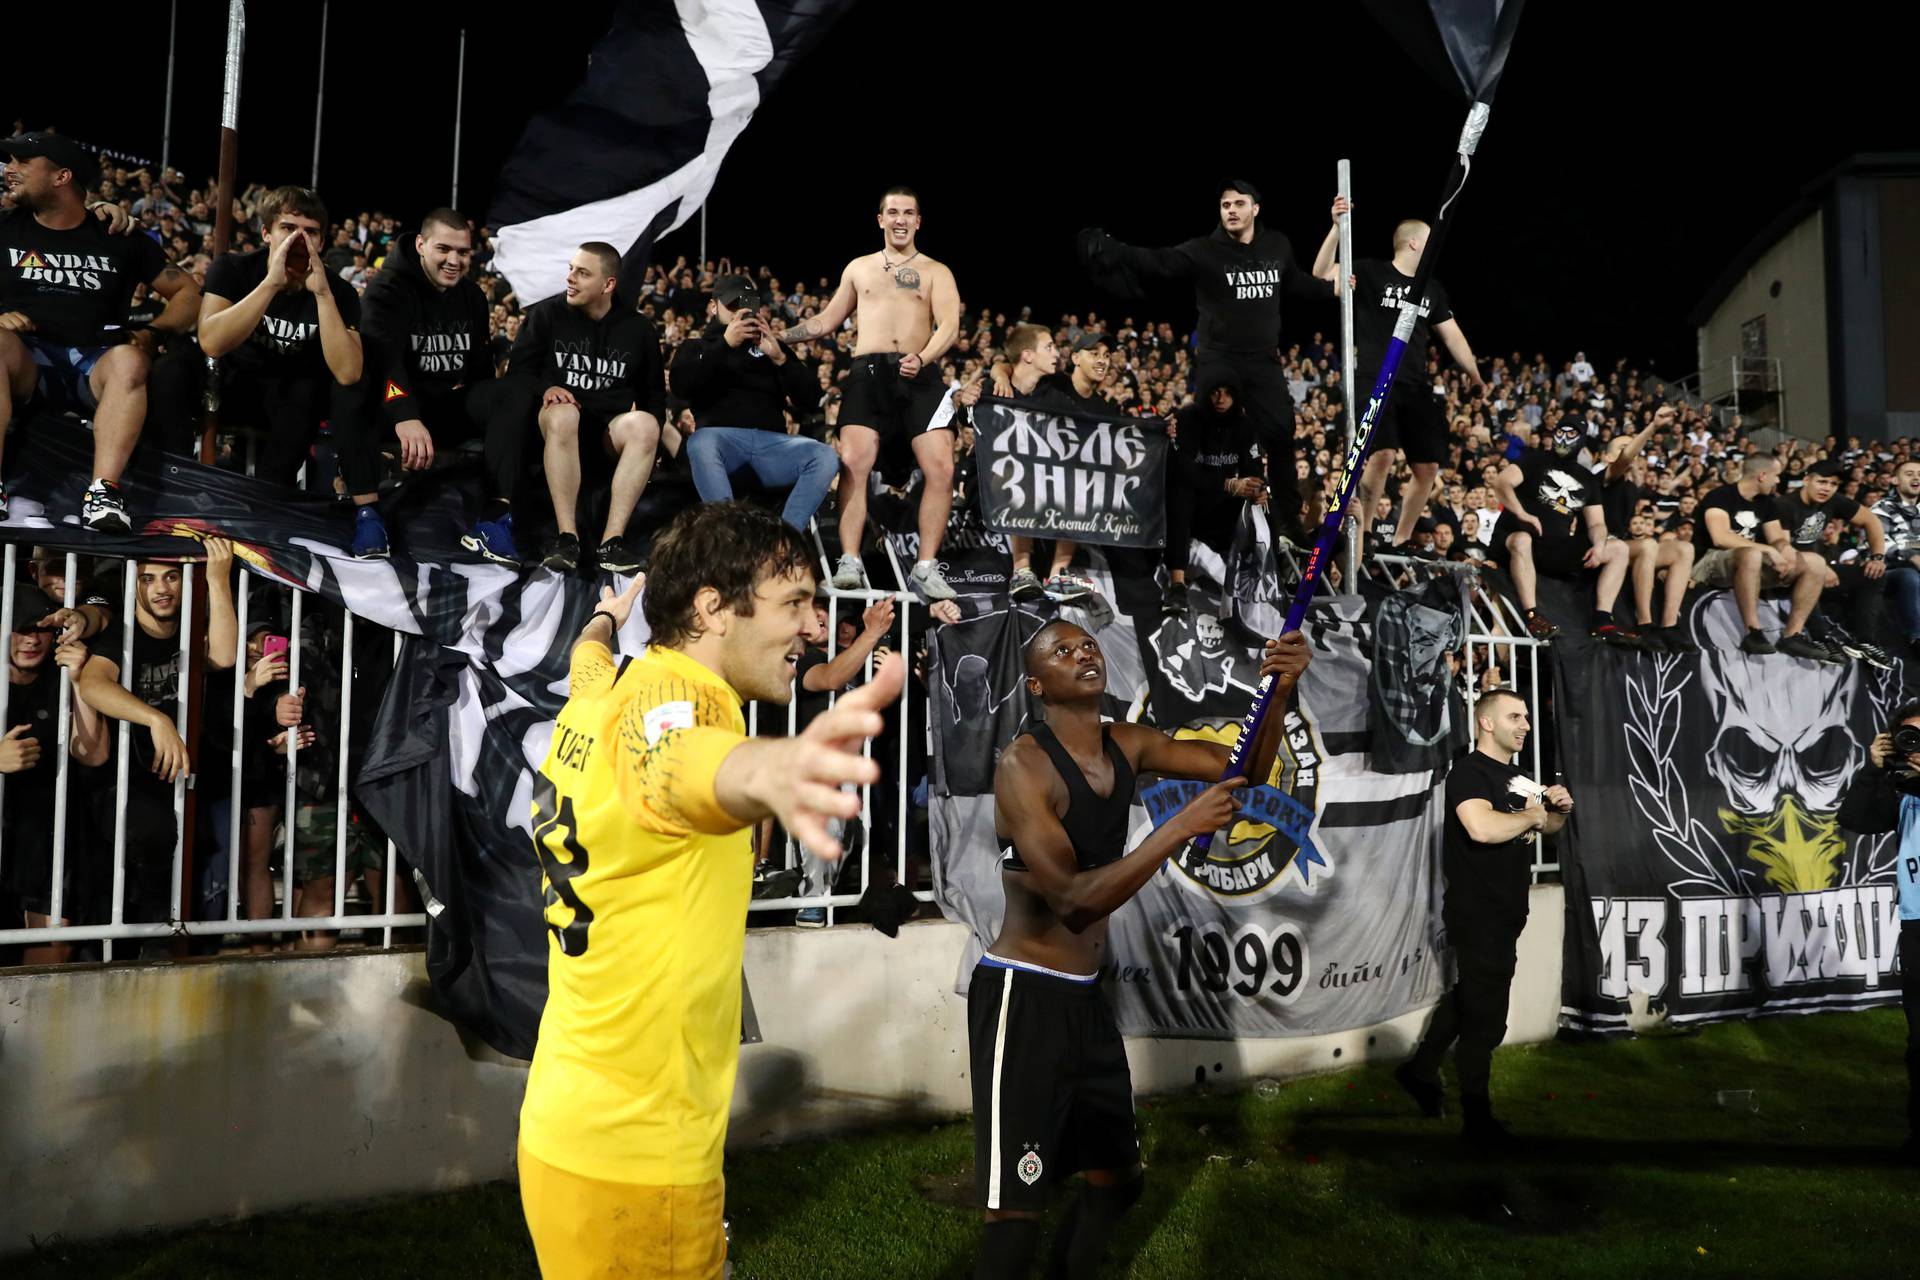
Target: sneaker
<point>1864,651</point>
<point>564,555</point>
<point>1025,585</point>
<point>102,511</point>
<point>1617,636</point>
<point>1677,640</point>
<point>849,574</point>
<point>811,918</point>
<point>369,534</point>
<point>1174,603</point>
<point>615,556</point>
<point>3,502</point>
<point>1757,644</point>
<point>1805,646</point>
<point>1067,587</point>
<point>1539,628</point>
<point>926,580</point>
<point>1426,1094</point>
<point>494,540</point>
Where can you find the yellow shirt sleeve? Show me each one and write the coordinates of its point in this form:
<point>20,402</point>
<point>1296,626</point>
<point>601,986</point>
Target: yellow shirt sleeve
<point>673,736</point>
<point>591,670</point>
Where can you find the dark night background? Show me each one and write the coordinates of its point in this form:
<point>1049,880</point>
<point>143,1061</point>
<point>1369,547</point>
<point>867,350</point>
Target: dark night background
<point>1633,151</point>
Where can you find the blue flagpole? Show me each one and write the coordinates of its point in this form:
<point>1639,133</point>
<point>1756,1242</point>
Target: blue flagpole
<point>1361,445</point>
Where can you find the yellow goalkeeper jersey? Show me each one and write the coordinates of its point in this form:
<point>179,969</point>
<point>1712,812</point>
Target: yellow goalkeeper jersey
<point>646,881</point>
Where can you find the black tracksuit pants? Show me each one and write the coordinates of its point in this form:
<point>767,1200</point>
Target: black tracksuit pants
<point>1474,1013</point>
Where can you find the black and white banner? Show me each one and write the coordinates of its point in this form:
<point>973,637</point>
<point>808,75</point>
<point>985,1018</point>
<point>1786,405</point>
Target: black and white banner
<point>1705,872</point>
<point>1316,911</point>
<point>633,152</point>
<point>1085,477</point>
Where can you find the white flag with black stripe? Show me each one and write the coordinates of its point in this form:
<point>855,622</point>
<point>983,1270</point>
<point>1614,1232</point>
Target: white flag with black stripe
<point>634,150</point>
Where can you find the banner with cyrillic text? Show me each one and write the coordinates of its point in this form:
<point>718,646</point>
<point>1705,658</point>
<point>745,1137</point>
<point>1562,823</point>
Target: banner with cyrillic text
<point>1085,477</point>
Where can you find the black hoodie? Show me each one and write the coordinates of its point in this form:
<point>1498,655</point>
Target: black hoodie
<point>734,387</point>
<point>1236,286</point>
<point>421,340</point>
<point>611,364</point>
<point>1209,447</point>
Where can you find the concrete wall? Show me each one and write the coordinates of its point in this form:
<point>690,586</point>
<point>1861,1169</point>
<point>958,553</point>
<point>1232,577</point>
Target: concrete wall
<point>160,1095</point>
<point>1796,327</point>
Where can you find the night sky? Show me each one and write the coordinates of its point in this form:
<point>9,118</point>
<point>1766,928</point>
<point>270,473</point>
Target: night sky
<point>1634,149</point>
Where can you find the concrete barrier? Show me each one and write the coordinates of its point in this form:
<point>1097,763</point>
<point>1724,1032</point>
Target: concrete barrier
<point>158,1095</point>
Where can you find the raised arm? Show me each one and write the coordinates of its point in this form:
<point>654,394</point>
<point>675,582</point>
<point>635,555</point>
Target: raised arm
<point>1022,787</point>
<point>1154,752</point>
<point>339,344</point>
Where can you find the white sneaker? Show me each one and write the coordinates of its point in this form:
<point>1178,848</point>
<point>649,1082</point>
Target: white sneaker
<point>1067,586</point>
<point>849,574</point>
<point>926,580</point>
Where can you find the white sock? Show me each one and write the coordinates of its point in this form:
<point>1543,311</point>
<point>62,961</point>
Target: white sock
<point>918,565</point>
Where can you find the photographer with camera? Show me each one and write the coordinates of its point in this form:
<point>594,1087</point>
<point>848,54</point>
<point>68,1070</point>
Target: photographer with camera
<point>1887,798</point>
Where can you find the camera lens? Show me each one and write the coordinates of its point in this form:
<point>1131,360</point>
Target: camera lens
<point>1906,739</point>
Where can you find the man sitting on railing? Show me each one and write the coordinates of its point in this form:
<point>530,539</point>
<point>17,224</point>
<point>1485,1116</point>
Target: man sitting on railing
<point>152,702</point>
<point>66,287</point>
<point>285,331</point>
<point>1550,501</point>
<point>28,759</point>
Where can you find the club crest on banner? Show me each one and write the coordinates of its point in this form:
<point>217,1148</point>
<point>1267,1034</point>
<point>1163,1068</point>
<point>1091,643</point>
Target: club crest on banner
<point>1271,845</point>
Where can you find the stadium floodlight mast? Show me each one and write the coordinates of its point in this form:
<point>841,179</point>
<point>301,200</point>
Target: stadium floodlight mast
<point>1488,61</point>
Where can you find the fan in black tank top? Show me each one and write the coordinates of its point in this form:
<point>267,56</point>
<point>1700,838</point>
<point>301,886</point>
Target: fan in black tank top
<point>1096,824</point>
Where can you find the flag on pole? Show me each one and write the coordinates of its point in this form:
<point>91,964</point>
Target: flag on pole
<point>634,150</point>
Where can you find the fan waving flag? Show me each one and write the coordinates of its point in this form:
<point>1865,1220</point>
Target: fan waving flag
<point>634,150</point>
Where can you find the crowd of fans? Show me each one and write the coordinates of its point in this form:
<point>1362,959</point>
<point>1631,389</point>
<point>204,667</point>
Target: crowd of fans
<point>399,348</point>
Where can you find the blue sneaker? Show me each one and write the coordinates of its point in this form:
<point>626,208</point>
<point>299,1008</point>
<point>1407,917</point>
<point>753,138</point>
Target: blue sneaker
<point>369,534</point>
<point>494,540</point>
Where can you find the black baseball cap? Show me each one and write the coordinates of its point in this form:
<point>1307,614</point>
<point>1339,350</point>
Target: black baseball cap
<point>737,293</point>
<point>1093,338</point>
<point>1832,468</point>
<point>30,604</point>
<point>63,151</point>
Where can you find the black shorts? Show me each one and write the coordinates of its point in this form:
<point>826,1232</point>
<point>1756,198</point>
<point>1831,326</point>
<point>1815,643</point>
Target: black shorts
<point>875,396</point>
<point>1051,1091</point>
<point>1557,557</point>
<point>1412,420</point>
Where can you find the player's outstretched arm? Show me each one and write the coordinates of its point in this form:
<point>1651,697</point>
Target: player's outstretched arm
<point>797,780</point>
<point>1155,752</point>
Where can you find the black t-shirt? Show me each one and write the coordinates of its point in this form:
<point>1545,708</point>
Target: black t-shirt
<point>1746,516</point>
<point>812,703</point>
<point>286,342</point>
<point>74,285</point>
<point>36,704</point>
<point>1486,881</point>
<point>1618,498</point>
<point>1556,491</point>
<point>1057,388</point>
<point>1805,522</point>
<point>156,682</point>
<point>1376,309</point>
<point>1664,505</point>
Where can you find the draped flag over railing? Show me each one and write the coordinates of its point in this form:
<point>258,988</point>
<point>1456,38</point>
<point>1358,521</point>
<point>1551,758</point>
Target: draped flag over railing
<point>633,152</point>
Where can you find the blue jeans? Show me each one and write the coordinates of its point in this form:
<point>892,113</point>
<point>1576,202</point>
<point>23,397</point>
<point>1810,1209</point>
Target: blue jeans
<point>1903,587</point>
<point>777,461</point>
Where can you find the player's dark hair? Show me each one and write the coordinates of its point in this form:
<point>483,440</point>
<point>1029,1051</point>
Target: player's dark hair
<point>908,192</point>
<point>1242,187</point>
<point>451,219</point>
<point>729,546</point>
<point>302,202</point>
<point>605,255</point>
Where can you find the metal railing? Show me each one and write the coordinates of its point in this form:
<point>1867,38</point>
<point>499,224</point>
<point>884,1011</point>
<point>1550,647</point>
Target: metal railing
<point>115,928</point>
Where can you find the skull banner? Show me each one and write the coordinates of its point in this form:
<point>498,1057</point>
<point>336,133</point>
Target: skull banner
<point>1703,865</point>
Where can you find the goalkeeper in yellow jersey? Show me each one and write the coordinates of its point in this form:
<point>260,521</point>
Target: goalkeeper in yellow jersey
<point>641,818</point>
